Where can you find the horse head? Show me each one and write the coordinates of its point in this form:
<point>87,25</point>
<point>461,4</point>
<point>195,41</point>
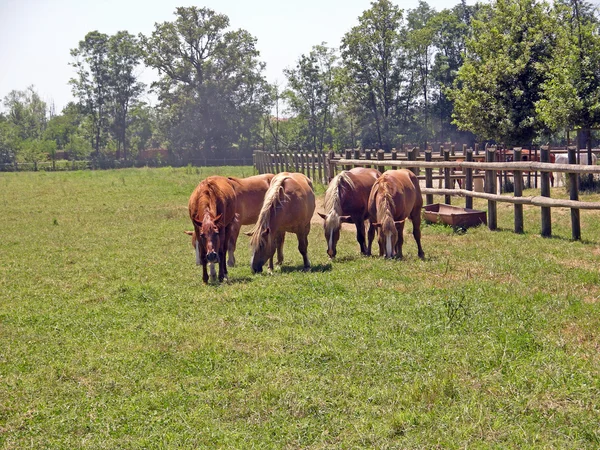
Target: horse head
<point>388,235</point>
<point>262,244</point>
<point>207,238</point>
<point>331,226</point>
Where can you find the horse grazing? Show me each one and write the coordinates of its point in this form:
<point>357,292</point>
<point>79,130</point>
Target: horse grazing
<point>347,201</point>
<point>249,193</point>
<point>212,210</point>
<point>396,196</point>
<point>288,207</point>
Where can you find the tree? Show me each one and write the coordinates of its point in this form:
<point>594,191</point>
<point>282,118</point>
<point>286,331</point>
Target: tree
<point>92,85</point>
<point>211,88</point>
<point>451,29</point>
<point>419,44</point>
<point>124,56</point>
<point>370,53</point>
<point>500,82</point>
<point>311,92</point>
<point>571,93</point>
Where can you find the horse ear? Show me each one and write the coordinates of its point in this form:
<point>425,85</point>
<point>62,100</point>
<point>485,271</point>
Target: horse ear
<point>266,232</point>
<point>189,233</point>
<point>249,233</point>
<point>346,219</point>
<point>197,223</point>
<point>398,222</point>
<point>376,225</point>
<point>323,216</point>
<point>217,217</point>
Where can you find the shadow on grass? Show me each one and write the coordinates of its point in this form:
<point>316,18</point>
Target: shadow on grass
<point>314,268</point>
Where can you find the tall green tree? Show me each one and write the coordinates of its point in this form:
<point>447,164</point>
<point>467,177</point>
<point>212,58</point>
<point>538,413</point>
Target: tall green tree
<point>451,29</point>
<point>370,53</point>
<point>311,92</point>
<point>92,84</point>
<point>571,93</point>
<point>124,56</point>
<point>420,50</point>
<point>212,87</point>
<point>501,80</point>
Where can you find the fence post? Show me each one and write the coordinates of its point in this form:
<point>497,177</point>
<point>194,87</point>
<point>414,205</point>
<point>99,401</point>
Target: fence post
<point>447,180</point>
<point>545,191</point>
<point>368,157</point>
<point>536,158</point>
<point>518,183</point>
<point>314,169</point>
<point>452,149</point>
<point>412,156</point>
<point>574,195</point>
<point>464,149</point>
<point>330,163</point>
<point>490,188</point>
<point>469,178</point>
<point>347,155</point>
<point>380,157</point>
<point>394,158</point>
<point>356,153</point>
<point>428,178</point>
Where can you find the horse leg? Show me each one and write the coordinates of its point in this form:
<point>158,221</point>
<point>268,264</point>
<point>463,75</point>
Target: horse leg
<point>416,221</point>
<point>204,271</point>
<point>400,241</point>
<point>223,252</point>
<point>360,234</point>
<point>303,246</point>
<point>233,236</point>
<point>371,236</point>
<point>280,241</point>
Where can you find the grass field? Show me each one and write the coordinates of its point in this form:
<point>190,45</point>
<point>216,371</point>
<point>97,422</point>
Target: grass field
<point>109,339</point>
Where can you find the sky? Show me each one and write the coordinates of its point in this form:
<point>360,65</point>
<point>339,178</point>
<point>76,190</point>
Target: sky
<point>36,36</point>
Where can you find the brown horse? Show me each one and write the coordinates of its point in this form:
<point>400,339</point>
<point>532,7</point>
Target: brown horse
<point>288,207</point>
<point>212,210</point>
<point>250,193</point>
<point>396,196</point>
<point>347,200</point>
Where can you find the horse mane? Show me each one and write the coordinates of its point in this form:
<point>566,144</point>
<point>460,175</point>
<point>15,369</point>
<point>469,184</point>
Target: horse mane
<point>333,202</point>
<point>208,194</point>
<point>385,204</point>
<point>274,195</point>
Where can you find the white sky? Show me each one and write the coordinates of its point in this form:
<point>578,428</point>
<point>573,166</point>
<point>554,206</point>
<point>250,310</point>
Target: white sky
<point>36,35</point>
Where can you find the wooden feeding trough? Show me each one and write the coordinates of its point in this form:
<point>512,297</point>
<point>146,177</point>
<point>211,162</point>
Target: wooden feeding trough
<point>454,216</point>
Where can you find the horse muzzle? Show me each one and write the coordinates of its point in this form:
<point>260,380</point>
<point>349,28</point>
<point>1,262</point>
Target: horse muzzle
<point>331,253</point>
<point>212,257</point>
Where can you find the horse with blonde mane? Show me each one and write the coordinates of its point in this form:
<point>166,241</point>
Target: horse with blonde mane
<point>288,207</point>
<point>212,210</point>
<point>347,201</point>
<point>249,193</point>
<point>395,197</point>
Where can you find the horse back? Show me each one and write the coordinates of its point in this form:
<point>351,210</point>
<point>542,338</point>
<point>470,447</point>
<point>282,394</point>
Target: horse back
<point>403,186</point>
<point>250,193</point>
<point>356,201</point>
<point>298,205</point>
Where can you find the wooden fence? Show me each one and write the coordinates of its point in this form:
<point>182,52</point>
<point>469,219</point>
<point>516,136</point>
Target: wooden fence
<point>492,170</point>
<point>480,174</point>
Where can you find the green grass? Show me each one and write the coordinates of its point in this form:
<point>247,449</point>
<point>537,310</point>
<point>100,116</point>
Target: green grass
<point>109,339</point>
